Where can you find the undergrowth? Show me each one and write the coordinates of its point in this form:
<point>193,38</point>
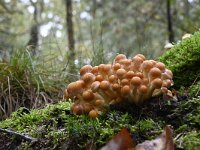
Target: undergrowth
<point>27,81</point>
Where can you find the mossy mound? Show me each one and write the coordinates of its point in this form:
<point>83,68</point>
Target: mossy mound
<point>184,61</point>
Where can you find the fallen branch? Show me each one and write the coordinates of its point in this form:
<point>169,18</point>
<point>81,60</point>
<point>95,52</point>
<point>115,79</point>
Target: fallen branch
<point>19,136</point>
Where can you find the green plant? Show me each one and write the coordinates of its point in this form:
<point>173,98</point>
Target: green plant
<point>26,81</point>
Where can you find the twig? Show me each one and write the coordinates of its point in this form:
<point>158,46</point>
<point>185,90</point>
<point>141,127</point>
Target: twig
<point>19,136</point>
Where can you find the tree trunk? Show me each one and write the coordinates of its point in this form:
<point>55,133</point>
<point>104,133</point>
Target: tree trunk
<point>70,31</point>
<point>70,34</point>
<point>169,21</point>
<point>33,42</point>
<point>34,33</point>
<point>94,7</point>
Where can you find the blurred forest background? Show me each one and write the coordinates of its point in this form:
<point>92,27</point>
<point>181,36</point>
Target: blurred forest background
<point>94,26</point>
<point>52,39</point>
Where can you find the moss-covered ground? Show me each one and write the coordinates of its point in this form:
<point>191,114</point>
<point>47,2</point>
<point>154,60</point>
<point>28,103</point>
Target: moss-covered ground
<point>55,127</point>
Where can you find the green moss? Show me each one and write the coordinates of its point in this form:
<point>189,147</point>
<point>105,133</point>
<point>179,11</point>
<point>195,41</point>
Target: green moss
<point>194,90</point>
<point>56,125</point>
<point>26,121</point>
<point>190,109</point>
<point>184,59</point>
<point>192,141</point>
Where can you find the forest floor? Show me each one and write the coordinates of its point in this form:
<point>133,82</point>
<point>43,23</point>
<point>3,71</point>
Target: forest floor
<point>141,122</point>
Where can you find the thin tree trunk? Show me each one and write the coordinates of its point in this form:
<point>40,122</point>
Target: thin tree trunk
<point>94,8</point>
<point>34,33</point>
<point>70,34</point>
<point>70,31</point>
<point>169,21</point>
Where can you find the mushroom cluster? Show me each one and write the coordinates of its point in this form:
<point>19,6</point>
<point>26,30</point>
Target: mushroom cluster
<point>135,80</point>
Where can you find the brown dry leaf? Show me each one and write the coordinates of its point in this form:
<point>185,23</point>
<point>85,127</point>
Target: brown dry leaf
<point>162,142</point>
<point>121,141</point>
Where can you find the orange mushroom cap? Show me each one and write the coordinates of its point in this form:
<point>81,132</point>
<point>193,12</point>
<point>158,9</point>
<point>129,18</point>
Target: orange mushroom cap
<point>85,69</point>
<point>99,102</point>
<point>116,66</point>
<point>157,83</point>
<point>95,70</point>
<point>87,107</point>
<point>104,85</point>
<point>145,81</point>
<point>77,109</point>
<point>88,78</point>
<point>99,78</point>
<point>120,57</point>
<point>95,86</point>
<point>139,74</point>
<point>125,62</point>
<point>130,74</point>
<point>137,61</point>
<point>147,65</point>
<point>75,87</point>
<point>167,83</point>
<point>160,66</point>
<point>154,73</point>
<point>93,114</point>
<point>121,72</point>
<point>142,89</point>
<point>125,90</point>
<point>125,82</point>
<point>141,56</point>
<point>88,95</point>
<point>107,68</point>
<point>136,81</point>
<point>115,87</point>
<point>112,78</point>
<point>169,72</point>
<point>101,67</point>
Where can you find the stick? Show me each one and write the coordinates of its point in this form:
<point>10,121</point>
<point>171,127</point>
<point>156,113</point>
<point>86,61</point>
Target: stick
<point>19,136</point>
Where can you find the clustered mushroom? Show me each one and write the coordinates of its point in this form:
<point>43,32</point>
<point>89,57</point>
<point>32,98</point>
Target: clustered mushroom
<point>135,80</point>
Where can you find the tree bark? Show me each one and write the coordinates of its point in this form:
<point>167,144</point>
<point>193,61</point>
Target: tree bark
<point>94,7</point>
<point>169,21</point>
<point>34,33</point>
<point>70,31</point>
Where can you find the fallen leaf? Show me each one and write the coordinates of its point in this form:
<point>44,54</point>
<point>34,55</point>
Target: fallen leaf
<point>162,142</point>
<point>121,141</point>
